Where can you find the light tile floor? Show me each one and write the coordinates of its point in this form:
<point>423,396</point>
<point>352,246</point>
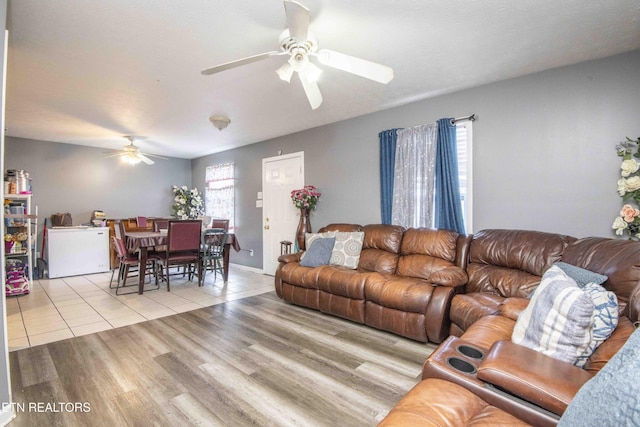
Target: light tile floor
<point>68,307</point>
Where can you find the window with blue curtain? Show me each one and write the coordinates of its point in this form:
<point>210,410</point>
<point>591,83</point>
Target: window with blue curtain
<point>447,209</point>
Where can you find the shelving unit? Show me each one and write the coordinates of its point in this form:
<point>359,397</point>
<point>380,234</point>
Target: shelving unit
<point>20,262</point>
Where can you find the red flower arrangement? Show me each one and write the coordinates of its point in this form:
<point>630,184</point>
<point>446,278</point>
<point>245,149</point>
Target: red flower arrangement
<point>305,198</point>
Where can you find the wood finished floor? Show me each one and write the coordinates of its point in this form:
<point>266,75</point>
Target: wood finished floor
<point>256,361</point>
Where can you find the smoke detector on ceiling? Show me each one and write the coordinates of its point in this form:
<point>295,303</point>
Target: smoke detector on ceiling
<point>220,122</point>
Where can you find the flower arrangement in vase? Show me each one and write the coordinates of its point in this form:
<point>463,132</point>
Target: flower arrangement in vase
<point>628,221</point>
<point>306,200</point>
<point>187,203</point>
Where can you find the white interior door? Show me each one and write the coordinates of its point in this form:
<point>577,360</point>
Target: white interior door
<point>280,175</point>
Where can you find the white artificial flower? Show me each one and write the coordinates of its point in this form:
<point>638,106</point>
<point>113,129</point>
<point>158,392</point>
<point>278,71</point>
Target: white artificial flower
<point>619,224</point>
<point>622,186</point>
<point>629,166</point>
<point>632,184</point>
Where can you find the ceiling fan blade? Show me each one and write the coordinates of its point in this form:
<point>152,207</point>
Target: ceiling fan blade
<point>114,154</point>
<point>155,155</point>
<point>312,91</point>
<point>145,159</point>
<point>351,64</point>
<point>238,63</point>
<point>297,19</point>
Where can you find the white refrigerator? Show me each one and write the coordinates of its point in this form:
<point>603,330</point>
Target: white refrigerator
<point>72,251</point>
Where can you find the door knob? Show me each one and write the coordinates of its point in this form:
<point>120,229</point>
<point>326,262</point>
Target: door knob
<point>266,227</point>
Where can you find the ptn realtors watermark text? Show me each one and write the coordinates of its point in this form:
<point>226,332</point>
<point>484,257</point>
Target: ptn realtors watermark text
<point>54,407</point>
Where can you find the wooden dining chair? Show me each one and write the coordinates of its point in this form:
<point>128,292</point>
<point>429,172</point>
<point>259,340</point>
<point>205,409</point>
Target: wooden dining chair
<point>220,223</point>
<point>141,222</point>
<point>213,240</point>
<point>183,248</point>
<point>126,261</point>
<point>160,224</point>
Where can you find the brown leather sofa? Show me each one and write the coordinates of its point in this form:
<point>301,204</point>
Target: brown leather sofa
<point>480,377</point>
<point>503,264</point>
<point>404,282</point>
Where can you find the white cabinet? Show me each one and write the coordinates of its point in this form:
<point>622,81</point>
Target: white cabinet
<point>72,251</point>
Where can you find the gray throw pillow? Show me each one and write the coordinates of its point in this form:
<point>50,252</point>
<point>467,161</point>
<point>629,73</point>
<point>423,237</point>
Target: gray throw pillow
<point>319,252</point>
<point>582,276</point>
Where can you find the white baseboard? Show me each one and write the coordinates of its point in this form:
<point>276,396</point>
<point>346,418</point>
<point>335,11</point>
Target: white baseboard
<point>246,268</point>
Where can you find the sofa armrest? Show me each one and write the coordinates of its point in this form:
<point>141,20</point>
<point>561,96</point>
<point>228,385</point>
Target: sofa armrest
<point>437,321</point>
<point>287,258</point>
<point>451,276</point>
<point>533,376</point>
<point>512,307</point>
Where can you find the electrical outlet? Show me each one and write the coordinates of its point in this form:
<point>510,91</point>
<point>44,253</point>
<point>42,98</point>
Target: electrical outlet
<point>250,252</point>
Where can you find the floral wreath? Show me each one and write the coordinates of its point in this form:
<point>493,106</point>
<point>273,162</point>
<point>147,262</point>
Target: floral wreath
<point>187,203</point>
<point>628,221</point>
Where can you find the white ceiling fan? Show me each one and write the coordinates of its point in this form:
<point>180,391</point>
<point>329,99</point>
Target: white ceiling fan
<point>300,44</point>
<point>132,154</point>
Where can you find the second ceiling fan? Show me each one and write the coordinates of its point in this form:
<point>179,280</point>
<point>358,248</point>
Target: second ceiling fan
<point>300,44</point>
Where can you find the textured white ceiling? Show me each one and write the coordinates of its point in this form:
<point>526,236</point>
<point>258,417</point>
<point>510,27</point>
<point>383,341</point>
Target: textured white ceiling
<point>90,71</point>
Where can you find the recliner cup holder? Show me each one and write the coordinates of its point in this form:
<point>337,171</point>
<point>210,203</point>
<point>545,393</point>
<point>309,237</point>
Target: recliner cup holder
<point>461,365</point>
<point>470,352</point>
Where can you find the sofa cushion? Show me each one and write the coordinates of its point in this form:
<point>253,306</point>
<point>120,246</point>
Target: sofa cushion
<point>404,294</point>
<point>619,260</point>
<point>510,263</point>
<point>319,252</point>
<point>611,397</point>
<point>342,281</point>
<point>436,402</point>
<point>580,275</point>
<point>605,317</point>
<point>347,248</point>
<point>430,255</point>
<point>466,309</point>
<point>380,248</point>
<point>559,319</point>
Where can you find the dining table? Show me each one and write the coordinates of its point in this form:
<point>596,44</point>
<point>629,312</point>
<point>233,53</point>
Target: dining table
<point>141,241</point>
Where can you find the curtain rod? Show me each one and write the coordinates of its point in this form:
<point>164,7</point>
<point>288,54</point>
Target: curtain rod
<point>471,118</point>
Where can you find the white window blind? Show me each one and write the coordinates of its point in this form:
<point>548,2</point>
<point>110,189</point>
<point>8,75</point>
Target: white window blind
<point>219,197</point>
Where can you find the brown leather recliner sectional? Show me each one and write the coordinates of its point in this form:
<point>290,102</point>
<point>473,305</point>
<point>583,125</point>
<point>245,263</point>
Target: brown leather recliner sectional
<point>477,376</point>
<point>404,281</point>
<point>481,378</point>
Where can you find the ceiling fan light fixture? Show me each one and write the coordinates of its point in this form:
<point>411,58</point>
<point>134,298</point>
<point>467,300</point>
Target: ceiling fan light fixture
<point>285,72</point>
<point>219,122</point>
<point>299,61</point>
<point>132,159</point>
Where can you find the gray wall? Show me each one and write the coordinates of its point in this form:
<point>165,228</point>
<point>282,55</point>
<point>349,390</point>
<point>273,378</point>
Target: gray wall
<point>544,153</point>
<point>544,159</point>
<point>76,179</point>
